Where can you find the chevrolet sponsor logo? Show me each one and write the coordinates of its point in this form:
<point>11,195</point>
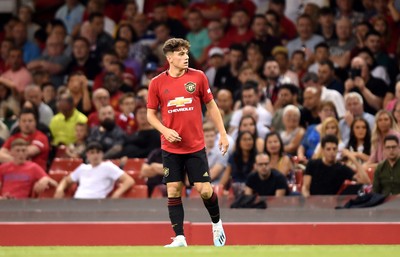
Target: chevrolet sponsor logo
<point>179,101</point>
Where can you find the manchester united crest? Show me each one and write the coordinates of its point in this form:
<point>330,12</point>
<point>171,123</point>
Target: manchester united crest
<point>190,87</point>
<point>166,171</point>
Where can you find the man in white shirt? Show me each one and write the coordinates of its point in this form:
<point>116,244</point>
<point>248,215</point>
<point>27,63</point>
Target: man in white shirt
<point>96,179</point>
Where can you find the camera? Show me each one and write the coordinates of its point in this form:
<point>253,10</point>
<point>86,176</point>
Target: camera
<point>355,73</point>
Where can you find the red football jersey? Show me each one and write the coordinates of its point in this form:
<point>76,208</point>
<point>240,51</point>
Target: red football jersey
<point>180,100</point>
<point>37,139</point>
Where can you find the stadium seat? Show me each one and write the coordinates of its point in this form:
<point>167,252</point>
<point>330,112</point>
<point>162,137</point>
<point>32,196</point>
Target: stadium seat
<point>159,191</point>
<point>134,164</point>
<point>58,175</point>
<point>349,187</point>
<point>61,152</point>
<point>137,191</point>
<point>371,174</point>
<point>63,164</point>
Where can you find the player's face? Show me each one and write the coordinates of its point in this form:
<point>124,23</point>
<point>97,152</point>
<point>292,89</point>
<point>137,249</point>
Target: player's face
<point>179,59</point>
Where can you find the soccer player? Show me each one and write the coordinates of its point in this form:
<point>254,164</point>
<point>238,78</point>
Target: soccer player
<point>179,93</point>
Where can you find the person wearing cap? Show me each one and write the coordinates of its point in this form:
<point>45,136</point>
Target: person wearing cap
<point>215,61</point>
<point>21,178</point>
<point>150,71</point>
<point>97,179</point>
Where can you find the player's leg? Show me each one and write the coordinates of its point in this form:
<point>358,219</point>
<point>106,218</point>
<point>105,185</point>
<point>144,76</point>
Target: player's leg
<point>198,173</point>
<point>173,176</point>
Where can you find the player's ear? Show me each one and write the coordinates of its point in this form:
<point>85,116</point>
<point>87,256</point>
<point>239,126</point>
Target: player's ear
<point>168,56</point>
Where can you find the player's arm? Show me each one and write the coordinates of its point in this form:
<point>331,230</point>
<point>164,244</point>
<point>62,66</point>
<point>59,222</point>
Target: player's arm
<point>125,182</point>
<point>64,184</point>
<point>215,115</point>
<point>169,134</point>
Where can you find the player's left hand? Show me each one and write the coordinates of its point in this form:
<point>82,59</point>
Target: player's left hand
<point>223,144</point>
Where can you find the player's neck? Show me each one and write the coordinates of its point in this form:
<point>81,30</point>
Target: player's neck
<point>175,72</point>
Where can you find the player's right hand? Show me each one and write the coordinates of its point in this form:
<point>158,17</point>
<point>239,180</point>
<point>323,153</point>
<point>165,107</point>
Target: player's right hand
<point>172,136</point>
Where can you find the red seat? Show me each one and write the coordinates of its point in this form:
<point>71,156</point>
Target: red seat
<point>345,185</point>
<point>49,193</point>
<point>371,174</point>
<point>58,175</point>
<point>134,164</point>
<point>137,191</point>
<point>159,191</point>
<point>63,164</point>
<point>61,152</point>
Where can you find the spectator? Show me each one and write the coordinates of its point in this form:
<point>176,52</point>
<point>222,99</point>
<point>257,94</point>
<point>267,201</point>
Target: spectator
<point>249,123</point>
<point>275,149</point>
<point>287,95</point>
<point>386,178</point>
<point>21,178</point>
<point>241,162</point>
<point>49,96</point>
<point>100,98</point>
<point>25,13</point>
<point>122,49</point>
<point>254,59</point>
<point>239,31</point>
<point>71,14</point>
<point>198,34</point>
<point>144,140</point>
<point>17,72</point>
<point>322,54</point>
<point>373,90</point>
<point>298,65</point>
<point>330,126</point>
<point>95,6</point>
<point>216,162</point>
<point>77,149</point>
<point>9,102</point>
<point>359,143</point>
<point>55,62</point>
<point>77,85</point>
<point>103,40</point>
<point>265,181</point>
<point>312,136</point>
<point>274,80</point>
<point>160,15</point>
<point>354,108</point>
<point>215,61</point>
<point>33,93</point>
<point>286,26</point>
<point>326,22</point>
<point>325,176</point>
<point>309,112</point>
<point>306,39</point>
<point>97,179</point>
<point>280,53</point>
<point>384,125</point>
<point>82,60</point>
<point>224,100</point>
<point>162,33</point>
<point>377,71</point>
<point>216,34</point>
<point>311,80</point>
<point>153,170</point>
<point>5,46</point>
<point>341,47</point>
<point>108,134</point>
<point>292,133</point>
<point>126,119</point>
<point>326,75</point>
<point>345,9</point>
<point>261,38</point>
<point>38,144</point>
<point>20,38</point>
<point>62,125</point>
<point>396,113</point>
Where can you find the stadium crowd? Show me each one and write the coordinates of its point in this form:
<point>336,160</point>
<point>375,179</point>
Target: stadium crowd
<point>308,90</point>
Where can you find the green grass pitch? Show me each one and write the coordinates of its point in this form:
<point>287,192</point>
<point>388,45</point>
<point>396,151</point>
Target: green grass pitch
<point>203,251</point>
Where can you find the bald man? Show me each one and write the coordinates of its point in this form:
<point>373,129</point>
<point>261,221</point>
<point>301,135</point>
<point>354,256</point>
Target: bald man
<point>225,103</point>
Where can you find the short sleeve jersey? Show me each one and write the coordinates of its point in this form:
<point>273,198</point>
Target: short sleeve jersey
<point>180,100</point>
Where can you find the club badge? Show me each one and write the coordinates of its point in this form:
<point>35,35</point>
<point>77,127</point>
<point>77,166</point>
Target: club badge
<point>190,87</point>
<point>166,171</point>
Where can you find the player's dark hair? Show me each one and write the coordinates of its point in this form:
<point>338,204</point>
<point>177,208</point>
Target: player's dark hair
<point>175,44</point>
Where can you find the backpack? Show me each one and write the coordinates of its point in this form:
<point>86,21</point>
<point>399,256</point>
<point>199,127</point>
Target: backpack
<point>248,201</point>
<point>363,201</point>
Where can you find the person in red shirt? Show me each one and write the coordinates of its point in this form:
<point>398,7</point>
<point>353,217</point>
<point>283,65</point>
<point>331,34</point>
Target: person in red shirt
<point>126,119</point>
<point>38,149</point>
<point>21,178</point>
<point>179,93</point>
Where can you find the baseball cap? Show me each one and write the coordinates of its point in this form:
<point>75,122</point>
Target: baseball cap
<point>279,50</point>
<point>215,51</point>
<point>94,145</point>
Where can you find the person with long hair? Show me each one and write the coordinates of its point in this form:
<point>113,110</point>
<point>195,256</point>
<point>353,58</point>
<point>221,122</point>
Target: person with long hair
<point>385,125</point>
<point>396,112</point>
<point>275,150</point>
<point>248,123</point>
<point>359,143</point>
<point>330,126</point>
<point>241,162</point>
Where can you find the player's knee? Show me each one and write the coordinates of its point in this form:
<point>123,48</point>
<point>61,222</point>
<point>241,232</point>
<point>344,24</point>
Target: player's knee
<point>174,190</point>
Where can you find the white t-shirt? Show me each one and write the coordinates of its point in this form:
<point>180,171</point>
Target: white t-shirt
<point>97,182</point>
